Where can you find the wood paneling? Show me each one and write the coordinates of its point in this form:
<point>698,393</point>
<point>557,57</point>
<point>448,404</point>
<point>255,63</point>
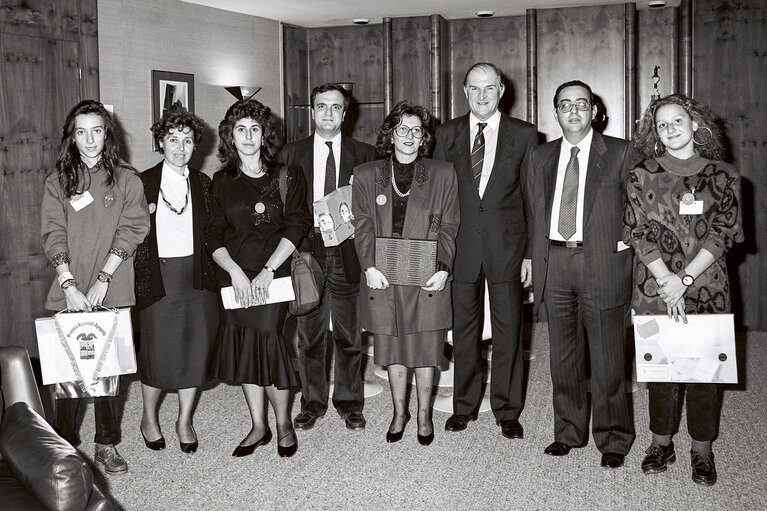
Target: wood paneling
<point>89,49</point>
<point>412,60</point>
<point>729,72</point>
<point>296,84</point>
<point>657,46</point>
<point>56,19</point>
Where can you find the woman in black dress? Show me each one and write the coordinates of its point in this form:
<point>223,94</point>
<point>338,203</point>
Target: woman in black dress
<point>175,282</point>
<point>250,236</point>
<point>683,215</point>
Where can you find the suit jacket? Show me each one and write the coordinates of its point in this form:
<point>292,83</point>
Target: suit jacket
<point>353,153</point>
<point>149,285</point>
<point>608,270</point>
<point>432,214</point>
<point>493,231</point>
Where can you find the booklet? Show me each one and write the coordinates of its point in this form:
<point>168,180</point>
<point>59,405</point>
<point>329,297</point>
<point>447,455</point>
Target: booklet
<point>280,290</point>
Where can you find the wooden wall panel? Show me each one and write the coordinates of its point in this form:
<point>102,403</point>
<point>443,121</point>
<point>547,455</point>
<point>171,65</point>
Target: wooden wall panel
<point>729,73</point>
<point>57,19</point>
<point>501,41</point>
<point>412,61</point>
<point>657,46</point>
<point>296,85</point>
<point>584,43</point>
<point>89,49</point>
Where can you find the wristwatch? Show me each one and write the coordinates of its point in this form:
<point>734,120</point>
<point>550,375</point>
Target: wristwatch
<point>269,269</point>
<point>687,280</point>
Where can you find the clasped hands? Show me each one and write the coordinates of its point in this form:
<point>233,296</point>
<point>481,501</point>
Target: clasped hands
<point>77,301</point>
<point>247,292</point>
<point>671,290</point>
<point>376,280</point>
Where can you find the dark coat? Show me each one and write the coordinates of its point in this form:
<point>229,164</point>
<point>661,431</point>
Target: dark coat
<point>432,214</point>
<point>353,153</point>
<point>493,232</point>
<point>149,285</point>
<point>604,200</point>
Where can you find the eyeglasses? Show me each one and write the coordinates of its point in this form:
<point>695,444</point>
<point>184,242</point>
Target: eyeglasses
<point>403,130</point>
<point>566,105</point>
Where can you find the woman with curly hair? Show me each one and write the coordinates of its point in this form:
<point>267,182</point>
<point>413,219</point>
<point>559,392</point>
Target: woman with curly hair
<point>93,217</point>
<point>406,195</point>
<point>251,235</point>
<point>175,282</point>
<point>683,215</point>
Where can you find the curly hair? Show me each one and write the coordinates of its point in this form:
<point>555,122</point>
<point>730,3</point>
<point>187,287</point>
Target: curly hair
<point>385,141</point>
<point>648,144</point>
<point>68,163</point>
<point>179,118</point>
<point>227,153</point>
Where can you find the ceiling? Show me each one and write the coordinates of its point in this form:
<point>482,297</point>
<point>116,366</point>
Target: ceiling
<point>321,13</point>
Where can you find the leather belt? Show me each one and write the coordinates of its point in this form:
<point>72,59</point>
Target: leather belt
<point>568,244</point>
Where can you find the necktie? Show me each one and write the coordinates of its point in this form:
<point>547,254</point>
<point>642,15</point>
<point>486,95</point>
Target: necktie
<point>330,170</point>
<point>569,205</point>
<point>478,154</point>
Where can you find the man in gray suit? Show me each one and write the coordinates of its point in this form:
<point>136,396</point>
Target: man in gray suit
<point>582,274</point>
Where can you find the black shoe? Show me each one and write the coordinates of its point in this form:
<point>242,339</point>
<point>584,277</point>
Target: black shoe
<point>426,439</point>
<point>703,468</point>
<point>396,437</point>
<point>512,429</point>
<point>306,420</point>
<point>458,422</point>
<point>612,460</point>
<point>247,450</point>
<point>188,447</point>
<point>557,449</point>
<point>354,420</point>
<point>658,458</point>
<point>287,452</point>
<point>155,445</point>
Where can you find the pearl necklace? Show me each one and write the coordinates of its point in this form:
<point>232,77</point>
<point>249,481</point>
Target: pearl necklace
<point>394,183</point>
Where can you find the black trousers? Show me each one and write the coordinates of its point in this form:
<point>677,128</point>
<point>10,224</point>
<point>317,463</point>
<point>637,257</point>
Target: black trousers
<point>107,427</point>
<point>507,365</point>
<point>704,402</point>
<point>339,300</point>
<point>570,308</point>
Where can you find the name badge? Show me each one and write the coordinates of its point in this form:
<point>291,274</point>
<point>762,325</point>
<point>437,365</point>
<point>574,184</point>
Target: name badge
<point>696,208</point>
<point>81,200</point>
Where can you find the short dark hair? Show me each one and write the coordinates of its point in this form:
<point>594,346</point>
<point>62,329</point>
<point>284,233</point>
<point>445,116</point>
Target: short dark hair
<point>179,118</point>
<point>385,145</point>
<point>486,66</point>
<point>327,87</point>
<point>573,83</point>
<point>227,153</point>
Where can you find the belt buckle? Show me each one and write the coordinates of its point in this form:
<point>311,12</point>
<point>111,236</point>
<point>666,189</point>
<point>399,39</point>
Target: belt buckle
<point>571,244</point>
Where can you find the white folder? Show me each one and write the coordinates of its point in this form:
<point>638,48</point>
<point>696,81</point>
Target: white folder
<point>280,290</point>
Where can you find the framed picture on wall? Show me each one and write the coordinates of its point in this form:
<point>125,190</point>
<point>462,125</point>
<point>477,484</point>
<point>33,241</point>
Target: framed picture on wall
<point>170,89</point>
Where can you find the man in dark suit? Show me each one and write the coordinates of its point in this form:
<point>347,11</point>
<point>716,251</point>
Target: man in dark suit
<point>327,158</point>
<point>582,274</point>
<point>489,151</point>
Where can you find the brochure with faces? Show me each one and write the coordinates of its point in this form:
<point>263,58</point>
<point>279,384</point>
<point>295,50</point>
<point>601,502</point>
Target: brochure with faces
<point>280,290</point>
<point>701,351</point>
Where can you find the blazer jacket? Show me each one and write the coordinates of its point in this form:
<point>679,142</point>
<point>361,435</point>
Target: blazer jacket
<point>608,269</point>
<point>493,231</point>
<point>353,153</point>
<point>149,286</point>
<point>432,213</point>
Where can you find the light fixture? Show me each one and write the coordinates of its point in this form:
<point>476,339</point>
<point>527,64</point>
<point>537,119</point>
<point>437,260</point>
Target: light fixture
<point>347,86</point>
<point>361,21</point>
<point>656,4</point>
<point>485,14</point>
<point>243,91</point>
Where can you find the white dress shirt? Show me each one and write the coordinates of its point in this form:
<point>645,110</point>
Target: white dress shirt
<point>491,144</point>
<point>584,149</point>
<point>174,233</point>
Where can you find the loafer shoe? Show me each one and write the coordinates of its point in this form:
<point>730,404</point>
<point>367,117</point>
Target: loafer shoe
<point>557,449</point>
<point>246,450</point>
<point>354,420</point>
<point>658,458</point>
<point>512,429</point>
<point>305,420</point>
<point>458,422</point>
<point>703,468</point>
<point>108,456</point>
<point>612,460</point>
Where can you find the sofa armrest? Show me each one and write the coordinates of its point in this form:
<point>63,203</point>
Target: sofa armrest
<point>45,464</point>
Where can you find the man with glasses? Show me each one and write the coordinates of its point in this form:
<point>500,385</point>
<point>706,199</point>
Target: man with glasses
<point>327,158</point>
<point>582,274</point>
<point>489,151</point>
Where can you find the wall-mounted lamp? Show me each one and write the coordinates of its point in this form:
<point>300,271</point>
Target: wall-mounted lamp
<point>484,14</point>
<point>243,92</point>
<point>361,21</point>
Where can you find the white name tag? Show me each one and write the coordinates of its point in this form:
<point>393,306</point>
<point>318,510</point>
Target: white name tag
<point>622,246</point>
<point>80,201</point>
<point>696,208</point>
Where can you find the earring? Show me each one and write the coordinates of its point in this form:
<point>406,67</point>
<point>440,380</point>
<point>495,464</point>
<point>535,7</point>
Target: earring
<point>662,149</point>
<point>710,135</point>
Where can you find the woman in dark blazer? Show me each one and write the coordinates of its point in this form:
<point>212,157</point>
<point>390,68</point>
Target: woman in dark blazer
<point>175,281</point>
<point>406,196</point>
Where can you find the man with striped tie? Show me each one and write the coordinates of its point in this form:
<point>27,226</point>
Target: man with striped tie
<point>489,151</point>
<point>582,274</point>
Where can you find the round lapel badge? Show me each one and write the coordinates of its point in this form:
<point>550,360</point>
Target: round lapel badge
<point>688,198</point>
<point>260,208</point>
<point>152,208</point>
<point>109,199</point>
<point>381,200</point>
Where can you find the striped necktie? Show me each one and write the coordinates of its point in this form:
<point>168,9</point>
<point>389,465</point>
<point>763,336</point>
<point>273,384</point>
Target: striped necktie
<point>568,208</point>
<point>478,154</point>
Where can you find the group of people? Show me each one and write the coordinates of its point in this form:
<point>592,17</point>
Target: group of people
<point>595,225</point>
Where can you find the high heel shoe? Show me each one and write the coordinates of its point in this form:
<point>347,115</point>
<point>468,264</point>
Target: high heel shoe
<point>287,452</point>
<point>247,450</point>
<point>396,437</point>
<point>426,439</point>
<point>155,445</point>
<point>188,447</point>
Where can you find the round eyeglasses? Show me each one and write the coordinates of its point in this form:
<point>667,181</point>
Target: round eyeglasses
<point>403,130</point>
<point>566,105</point>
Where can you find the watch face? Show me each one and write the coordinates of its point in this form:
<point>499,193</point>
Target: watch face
<point>687,280</point>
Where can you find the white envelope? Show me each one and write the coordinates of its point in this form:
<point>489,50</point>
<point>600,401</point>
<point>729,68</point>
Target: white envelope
<point>280,290</point>
<point>701,351</point>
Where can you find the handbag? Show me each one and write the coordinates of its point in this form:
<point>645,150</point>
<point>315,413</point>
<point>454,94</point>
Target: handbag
<point>305,272</point>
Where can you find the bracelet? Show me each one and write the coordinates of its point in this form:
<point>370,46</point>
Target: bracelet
<point>65,277</point>
<point>104,277</point>
<point>269,269</point>
<point>67,285</point>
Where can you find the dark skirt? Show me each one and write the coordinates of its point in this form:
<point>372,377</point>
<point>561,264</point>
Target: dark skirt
<point>419,349</point>
<point>178,331</point>
<point>250,348</point>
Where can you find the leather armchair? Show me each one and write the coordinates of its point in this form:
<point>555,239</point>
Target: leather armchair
<point>39,469</point>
